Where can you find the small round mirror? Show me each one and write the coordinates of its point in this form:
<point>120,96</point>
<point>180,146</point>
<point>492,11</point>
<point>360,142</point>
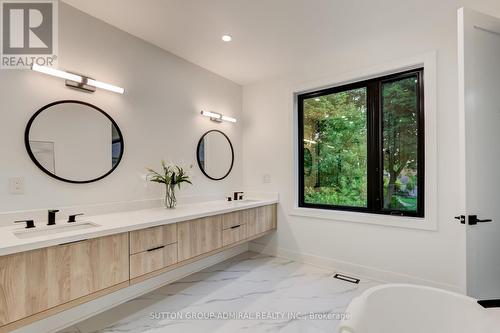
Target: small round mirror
<point>215,155</point>
<point>74,141</point>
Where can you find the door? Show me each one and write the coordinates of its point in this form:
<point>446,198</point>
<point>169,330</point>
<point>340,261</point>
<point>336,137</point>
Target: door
<point>479,101</point>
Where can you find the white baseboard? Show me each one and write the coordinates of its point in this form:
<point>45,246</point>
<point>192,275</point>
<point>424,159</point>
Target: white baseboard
<point>77,314</point>
<point>340,266</point>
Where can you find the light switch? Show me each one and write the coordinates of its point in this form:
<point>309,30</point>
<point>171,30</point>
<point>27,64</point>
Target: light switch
<point>266,179</point>
<point>16,185</point>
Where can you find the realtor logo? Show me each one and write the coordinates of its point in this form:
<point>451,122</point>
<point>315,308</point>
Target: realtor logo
<point>29,33</point>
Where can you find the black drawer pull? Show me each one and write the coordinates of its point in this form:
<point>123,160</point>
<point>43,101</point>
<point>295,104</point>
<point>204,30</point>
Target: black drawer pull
<point>236,226</point>
<point>74,242</point>
<point>156,248</point>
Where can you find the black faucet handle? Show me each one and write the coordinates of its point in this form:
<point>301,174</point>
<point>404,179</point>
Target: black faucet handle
<point>29,223</point>
<point>72,218</point>
<point>236,195</point>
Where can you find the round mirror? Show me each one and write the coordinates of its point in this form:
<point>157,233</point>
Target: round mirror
<point>74,141</point>
<point>215,155</point>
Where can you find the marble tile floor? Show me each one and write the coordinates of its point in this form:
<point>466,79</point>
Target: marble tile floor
<point>248,293</point>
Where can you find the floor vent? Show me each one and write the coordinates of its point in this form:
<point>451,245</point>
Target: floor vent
<point>346,278</point>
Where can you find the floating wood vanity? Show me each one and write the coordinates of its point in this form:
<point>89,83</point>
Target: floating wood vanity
<point>39,283</point>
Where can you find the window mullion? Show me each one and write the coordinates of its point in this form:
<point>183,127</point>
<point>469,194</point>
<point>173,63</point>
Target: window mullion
<point>421,146</point>
<point>374,147</point>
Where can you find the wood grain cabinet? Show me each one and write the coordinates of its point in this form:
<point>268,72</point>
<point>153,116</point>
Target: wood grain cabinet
<point>260,219</point>
<point>152,260</point>
<point>39,283</point>
<point>199,236</point>
<point>234,227</point>
<point>34,281</point>
<point>234,234</point>
<point>150,238</point>
<point>152,249</point>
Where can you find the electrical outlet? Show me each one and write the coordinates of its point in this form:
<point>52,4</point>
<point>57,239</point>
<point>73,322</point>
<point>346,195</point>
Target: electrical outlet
<point>16,185</point>
<point>266,179</point>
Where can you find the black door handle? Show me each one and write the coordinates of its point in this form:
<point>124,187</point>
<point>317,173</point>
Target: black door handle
<point>473,220</point>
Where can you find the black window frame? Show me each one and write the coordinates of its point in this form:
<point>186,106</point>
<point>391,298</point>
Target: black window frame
<point>374,144</point>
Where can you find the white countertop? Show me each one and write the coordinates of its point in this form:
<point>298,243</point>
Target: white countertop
<point>115,223</point>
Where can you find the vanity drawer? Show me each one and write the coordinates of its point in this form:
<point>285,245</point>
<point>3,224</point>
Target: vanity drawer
<point>234,234</point>
<point>152,260</point>
<point>233,219</point>
<point>150,238</point>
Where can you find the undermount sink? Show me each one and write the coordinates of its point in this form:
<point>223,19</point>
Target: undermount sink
<point>245,201</point>
<point>51,230</point>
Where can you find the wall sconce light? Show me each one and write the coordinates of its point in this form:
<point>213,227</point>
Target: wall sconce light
<point>217,117</point>
<point>78,81</point>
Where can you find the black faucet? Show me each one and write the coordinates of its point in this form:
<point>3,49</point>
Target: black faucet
<point>72,218</point>
<point>29,223</point>
<point>237,196</point>
<point>52,217</point>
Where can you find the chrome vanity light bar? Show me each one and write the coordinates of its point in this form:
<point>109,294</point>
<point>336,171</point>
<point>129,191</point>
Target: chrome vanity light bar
<point>57,73</point>
<point>78,81</point>
<point>217,117</point>
<point>229,119</point>
<point>212,115</point>
<point>105,86</point>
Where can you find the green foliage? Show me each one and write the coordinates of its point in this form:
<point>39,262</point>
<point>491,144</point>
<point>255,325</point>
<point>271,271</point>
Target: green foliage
<point>399,101</point>
<point>335,133</point>
<point>331,196</point>
<point>403,203</point>
<point>411,183</point>
<point>336,126</point>
<point>170,175</point>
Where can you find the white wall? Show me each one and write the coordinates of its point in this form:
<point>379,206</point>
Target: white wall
<point>391,253</point>
<point>158,115</point>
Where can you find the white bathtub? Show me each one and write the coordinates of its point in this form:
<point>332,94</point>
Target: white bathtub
<point>405,308</point>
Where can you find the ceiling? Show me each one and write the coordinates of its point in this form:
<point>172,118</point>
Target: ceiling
<point>270,37</point>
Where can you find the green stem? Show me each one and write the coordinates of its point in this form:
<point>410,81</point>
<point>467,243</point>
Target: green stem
<point>170,199</point>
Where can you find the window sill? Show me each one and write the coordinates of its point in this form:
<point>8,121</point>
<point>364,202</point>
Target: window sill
<point>407,222</point>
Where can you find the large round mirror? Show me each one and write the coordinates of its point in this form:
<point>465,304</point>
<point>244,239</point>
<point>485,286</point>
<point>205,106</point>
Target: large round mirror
<point>215,155</point>
<point>74,141</point>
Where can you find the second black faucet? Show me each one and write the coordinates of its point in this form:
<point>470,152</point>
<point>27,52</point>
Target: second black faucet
<point>52,217</point>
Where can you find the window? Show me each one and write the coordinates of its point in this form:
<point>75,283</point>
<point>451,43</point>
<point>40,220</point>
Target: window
<point>361,146</point>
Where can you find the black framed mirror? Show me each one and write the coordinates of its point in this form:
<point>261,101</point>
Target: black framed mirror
<point>74,141</point>
<point>215,155</point>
